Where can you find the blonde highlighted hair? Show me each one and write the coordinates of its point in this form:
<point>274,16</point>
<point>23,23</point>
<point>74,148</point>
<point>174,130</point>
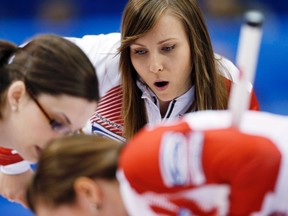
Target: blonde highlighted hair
<point>68,158</point>
<point>139,17</point>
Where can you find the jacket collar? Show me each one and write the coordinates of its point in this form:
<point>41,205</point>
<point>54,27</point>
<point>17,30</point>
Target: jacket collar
<point>180,104</point>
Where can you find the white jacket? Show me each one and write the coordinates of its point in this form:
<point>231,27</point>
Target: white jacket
<point>102,51</point>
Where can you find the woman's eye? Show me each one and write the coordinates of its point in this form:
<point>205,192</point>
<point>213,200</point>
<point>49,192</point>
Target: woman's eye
<point>59,127</point>
<point>140,52</point>
<point>168,48</point>
<point>56,125</point>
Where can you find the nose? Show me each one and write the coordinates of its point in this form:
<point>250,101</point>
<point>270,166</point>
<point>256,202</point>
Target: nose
<point>45,140</point>
<point>155,64</point>
<point>54,135</point>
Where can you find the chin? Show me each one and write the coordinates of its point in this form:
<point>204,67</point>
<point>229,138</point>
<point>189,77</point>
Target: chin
<point>30,157</point>
<point>166,99</point>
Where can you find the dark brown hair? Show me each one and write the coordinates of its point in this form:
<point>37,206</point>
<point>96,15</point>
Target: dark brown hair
<point>48,64</point>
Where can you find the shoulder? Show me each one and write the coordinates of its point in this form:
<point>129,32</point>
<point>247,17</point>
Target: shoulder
<point>226,68</point>
<point>98,44</point>
<point>102,50</point>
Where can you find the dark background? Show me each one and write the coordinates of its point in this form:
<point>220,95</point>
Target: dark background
<point>20,20</point>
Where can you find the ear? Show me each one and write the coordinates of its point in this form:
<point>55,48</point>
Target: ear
<point>16,92</point>
<point>87,189</point>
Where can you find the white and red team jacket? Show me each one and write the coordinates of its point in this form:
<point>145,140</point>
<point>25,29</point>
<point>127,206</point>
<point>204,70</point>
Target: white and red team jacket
<point>107,120</point>
<point>200,165</point>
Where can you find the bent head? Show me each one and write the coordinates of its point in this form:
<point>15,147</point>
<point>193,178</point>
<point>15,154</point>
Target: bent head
<point>76,176</point>
<point>48,88</point>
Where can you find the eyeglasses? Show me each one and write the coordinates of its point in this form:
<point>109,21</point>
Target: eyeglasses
<point>54,124</point>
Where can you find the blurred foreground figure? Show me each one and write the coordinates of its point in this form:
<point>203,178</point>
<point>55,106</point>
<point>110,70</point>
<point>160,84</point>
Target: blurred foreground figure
<point>203,166</point>
<point>199,165</point>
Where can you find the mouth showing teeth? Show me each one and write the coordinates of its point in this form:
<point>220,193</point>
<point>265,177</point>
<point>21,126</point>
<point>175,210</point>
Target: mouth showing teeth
<point>161,84</point>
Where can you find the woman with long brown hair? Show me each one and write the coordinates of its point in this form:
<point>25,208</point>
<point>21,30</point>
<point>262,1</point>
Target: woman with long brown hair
<point>167,68</point>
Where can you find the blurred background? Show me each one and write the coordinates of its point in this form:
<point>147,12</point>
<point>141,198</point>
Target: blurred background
<point>20,20</point>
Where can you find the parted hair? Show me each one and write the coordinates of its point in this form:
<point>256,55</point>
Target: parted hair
<point>138,18</point>
<point>47,64</point>
<point>68,158</point>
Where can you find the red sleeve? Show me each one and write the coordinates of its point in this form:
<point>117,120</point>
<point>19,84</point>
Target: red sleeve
<point>7,157</point>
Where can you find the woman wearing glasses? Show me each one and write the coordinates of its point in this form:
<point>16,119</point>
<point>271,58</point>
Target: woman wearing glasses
<point>48,89</point>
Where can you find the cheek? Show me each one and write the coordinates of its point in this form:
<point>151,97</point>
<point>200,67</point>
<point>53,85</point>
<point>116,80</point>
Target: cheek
<point>29,129</point>
<point>32,121</point>
<point>186,67</point>
<point>37,132</point>
<point>38,138</point>
<point>184,60</point>
<point>138,65</point>
<point>40,132</point>
<point>189,66</point>
<point>47,137</point>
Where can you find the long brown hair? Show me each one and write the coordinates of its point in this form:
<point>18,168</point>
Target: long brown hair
<point>47,64</point>
<point>67,158</point>
<point>139,17</point>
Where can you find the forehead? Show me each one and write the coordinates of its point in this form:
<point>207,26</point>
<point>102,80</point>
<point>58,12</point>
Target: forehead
<point>168,26</point>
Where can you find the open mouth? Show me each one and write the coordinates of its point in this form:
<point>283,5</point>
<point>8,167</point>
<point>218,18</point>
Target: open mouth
<point>161,84</point>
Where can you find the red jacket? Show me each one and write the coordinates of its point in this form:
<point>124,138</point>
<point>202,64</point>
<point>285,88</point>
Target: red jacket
<point>203,166</point>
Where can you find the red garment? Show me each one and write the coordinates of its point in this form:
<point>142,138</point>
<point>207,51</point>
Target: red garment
<point>7,157</point>
<point>203,166</point>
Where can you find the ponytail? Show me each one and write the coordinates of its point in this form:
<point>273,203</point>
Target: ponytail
<point>7,52</point>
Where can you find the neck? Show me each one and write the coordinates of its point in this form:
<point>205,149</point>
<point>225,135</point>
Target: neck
<point>118,198</point>
<point>164,107</point>
<point>111,197</point>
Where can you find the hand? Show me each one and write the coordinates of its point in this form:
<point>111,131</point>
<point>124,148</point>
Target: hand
<point>13,187</point>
